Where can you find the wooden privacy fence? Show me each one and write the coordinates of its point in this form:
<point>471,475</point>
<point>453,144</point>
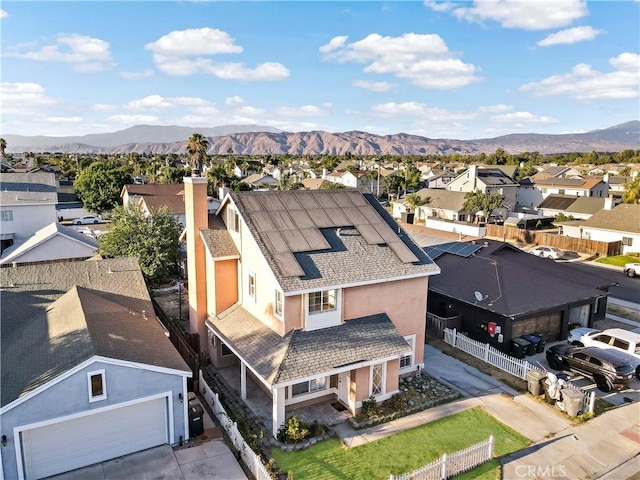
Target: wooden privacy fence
<point>452,464</point>
<point>249,457</point>
<point>436,324</point>
<point>581,245</point>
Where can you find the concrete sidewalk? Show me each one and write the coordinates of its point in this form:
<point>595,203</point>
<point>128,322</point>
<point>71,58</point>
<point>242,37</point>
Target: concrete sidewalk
<point>602,446</point>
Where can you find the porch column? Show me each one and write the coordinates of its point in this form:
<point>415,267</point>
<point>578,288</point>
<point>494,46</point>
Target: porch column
<point>243,380</point>
<point>278,409</point>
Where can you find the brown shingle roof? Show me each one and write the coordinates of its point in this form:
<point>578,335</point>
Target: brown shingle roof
<point>623,218</point>
<point>218,240</point>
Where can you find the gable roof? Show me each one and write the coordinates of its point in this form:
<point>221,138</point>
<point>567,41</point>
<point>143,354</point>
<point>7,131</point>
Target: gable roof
<point>516,283</point>
<point>300,353</point>
<point>28,188</point>
<point>57,315</point>
<point>494,176</point>
<point>588,205</point>
<point>443,199</point>
<point>557,202</point>
<point>174,203</point>
<point>324,238</point>
<point>45,234</point>
<point>622,218</point>
<point>149,189</point>
<point>570,183</point>
<point>312,183</point>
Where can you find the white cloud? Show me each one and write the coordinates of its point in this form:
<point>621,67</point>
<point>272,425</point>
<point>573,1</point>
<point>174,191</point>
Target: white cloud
<point>187,52</point>
<point>570,36</point>
<point>157,102</point>
<point>84,53</point>
<point>495,108</point>
<point>134,119</point>
<point>67,120</point>
<point>519,119</point>
<point>423,59</point>
<point>136,75</point>
<point>334,44</point>
<point>416,109</point>
<point>103,107</point>
<point>235,100</point>
<point>303,111</point>
<point>520,14</point>
<point>373,86</point>
<point>3,13</point>
<point>249,110</point>
<point>586,83</point>
<point>24,99</point>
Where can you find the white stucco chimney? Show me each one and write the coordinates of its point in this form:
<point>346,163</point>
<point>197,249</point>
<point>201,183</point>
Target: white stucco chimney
<point>609,203</point>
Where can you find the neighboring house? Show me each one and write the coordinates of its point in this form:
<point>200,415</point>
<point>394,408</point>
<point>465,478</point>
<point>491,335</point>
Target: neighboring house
<point>617,185</point>
<point>260,181</point>
<point>313,183</point>
<point>622,223</point>
<point>88,373</point>
<point>560,171</point>
<point>27,204</point>
<point>442,204</point>
<point>51,243</point>
<point>502,292</point>
<point>246,168</point>
<point>486,180</point>
<point>579,208</point>
<point>533,190</point>
<point>318,296</point>
<point>69,205</point>
<point>440,179</point>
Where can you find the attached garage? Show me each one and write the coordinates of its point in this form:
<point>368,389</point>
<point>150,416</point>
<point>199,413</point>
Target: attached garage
<point>95,437</point>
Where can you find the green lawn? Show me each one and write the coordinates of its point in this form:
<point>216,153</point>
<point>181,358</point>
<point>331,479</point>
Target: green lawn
<point>402,452</point>
<point>618,260</point>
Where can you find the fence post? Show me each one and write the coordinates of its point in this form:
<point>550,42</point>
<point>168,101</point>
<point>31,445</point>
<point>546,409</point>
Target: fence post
<point>444,466</point>
<point>454,333</point>
<point>486,352</point>
<point>592,401</point>
<point>490,447</point>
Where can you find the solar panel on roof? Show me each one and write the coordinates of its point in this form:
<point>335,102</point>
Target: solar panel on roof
<point>460,249</point>
<point>278,244</point>
<point>262,221</point>
<point>320,217</point>
<point>282,220</point>
<point>307,200</point>
<point>288,265</point>
<point>338,218</point>
<point>315,239</point>
<point>370,235</point>
<point>296,241</point>
<point>354,216</point>
<point>403,252</point>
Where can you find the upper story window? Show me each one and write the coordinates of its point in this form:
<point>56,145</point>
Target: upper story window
<point>97,386</point>
<point>278,304</point>
<point>6,216</point>
<point>322,301</point>
<point>233,220</point>
<point>252,285</point>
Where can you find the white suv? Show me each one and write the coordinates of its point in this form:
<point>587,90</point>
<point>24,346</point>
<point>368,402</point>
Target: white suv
<point>632,269</point>
<point>614,338</point>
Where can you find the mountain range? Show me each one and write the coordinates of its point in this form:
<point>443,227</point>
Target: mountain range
<point>261,140</point>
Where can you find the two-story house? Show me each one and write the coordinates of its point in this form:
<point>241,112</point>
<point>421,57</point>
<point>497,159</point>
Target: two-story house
<point>486,180</point>
<point>533,190</point>
<point>319,296</point>
<point>27,204</point>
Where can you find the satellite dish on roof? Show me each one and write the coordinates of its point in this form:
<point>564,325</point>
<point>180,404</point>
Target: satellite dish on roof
<point>479,296</point>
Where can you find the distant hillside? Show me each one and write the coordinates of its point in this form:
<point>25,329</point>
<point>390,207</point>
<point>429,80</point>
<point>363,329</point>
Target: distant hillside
<point>247,140</point>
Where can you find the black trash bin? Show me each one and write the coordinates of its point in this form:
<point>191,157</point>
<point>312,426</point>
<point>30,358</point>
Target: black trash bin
<point>519,347</point>
<point>196,419</point>
<point>541,345</point>
<point>535,341</point>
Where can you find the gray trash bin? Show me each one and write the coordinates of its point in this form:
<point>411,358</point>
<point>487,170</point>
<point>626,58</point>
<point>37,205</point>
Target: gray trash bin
<point>573,401</point>
<point>535,379</point>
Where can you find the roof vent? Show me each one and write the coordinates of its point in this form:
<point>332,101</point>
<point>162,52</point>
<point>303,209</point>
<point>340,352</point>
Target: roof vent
<point>485,244</point>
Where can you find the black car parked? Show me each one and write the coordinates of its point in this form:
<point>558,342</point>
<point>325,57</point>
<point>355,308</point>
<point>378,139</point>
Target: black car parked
<point>608,368</point>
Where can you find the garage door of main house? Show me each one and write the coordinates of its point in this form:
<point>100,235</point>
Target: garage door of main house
<point>77,442</point>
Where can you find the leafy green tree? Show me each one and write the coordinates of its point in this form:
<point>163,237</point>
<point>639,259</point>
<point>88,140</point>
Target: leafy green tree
<point>331,185</point>
<point>3,147</point>
<point>153,239</point>
<point>414,201</point>
<point>288,182</point>
<point>197,149</point>
<point>99,185</point>
<point>632,191</point>
<point>482,203</point>
<point>526,170</point>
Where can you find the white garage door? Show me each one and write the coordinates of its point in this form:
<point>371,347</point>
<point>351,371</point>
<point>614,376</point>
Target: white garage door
<point>71,444</point>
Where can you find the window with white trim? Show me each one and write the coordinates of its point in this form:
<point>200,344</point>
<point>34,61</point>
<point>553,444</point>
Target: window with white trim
<point>322,301</point>
<point>406,361</point>
<point>377,379</point>
<point>6,216</point>
<point>627,241</point>
<point>311,386</point>
<point>252,285</point>
<point>97,386</point>
<point>278,304</point>
<point>233,220</point>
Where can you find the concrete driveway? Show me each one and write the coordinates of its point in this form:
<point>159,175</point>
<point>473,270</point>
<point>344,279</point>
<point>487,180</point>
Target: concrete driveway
<point>212,459</point>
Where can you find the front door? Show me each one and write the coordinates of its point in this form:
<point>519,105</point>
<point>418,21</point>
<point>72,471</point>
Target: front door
<point>343,388</point>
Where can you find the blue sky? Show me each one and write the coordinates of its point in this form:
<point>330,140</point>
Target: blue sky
<point>438,69</point>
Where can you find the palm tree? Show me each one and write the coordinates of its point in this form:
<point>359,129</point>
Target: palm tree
<point>414,201</point>
<point>197,149</point>
<point>3,147</point>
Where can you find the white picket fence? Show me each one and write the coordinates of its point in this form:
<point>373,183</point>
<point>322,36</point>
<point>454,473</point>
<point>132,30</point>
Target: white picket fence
<point>249,457</point>
<point>452,464</point>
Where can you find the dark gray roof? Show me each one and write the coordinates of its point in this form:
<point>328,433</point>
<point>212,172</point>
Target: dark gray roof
<point>623,218</point>
<point>218,240</point>
<point>57,315</point>
<point>494,176</point>
<point>557,202</point>
<point>301,354</point>
<point>336,222</point>
<point>36,187</point>
<point>516,283</point>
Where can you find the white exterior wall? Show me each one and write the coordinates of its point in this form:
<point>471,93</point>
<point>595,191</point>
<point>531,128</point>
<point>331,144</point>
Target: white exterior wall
<point>28,219</point>
<point>527,196</point>
<point>611,236</point>
<point>461,228</point>
<point>58,247</point>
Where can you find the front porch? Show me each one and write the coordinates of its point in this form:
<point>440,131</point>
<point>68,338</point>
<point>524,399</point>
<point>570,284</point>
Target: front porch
<point>261,404</point>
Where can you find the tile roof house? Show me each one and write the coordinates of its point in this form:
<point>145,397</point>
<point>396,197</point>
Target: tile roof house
<point>27,204</point>
<point>622,223</point>
<point>317,295</point>
<point>520,293</point>
<point>87,371</point>
<point>51,243</point>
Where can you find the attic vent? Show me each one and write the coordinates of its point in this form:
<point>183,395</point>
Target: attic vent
<point>485,244</point>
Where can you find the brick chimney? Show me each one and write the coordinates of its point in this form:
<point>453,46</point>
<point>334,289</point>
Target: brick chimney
<point>197,217</point>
